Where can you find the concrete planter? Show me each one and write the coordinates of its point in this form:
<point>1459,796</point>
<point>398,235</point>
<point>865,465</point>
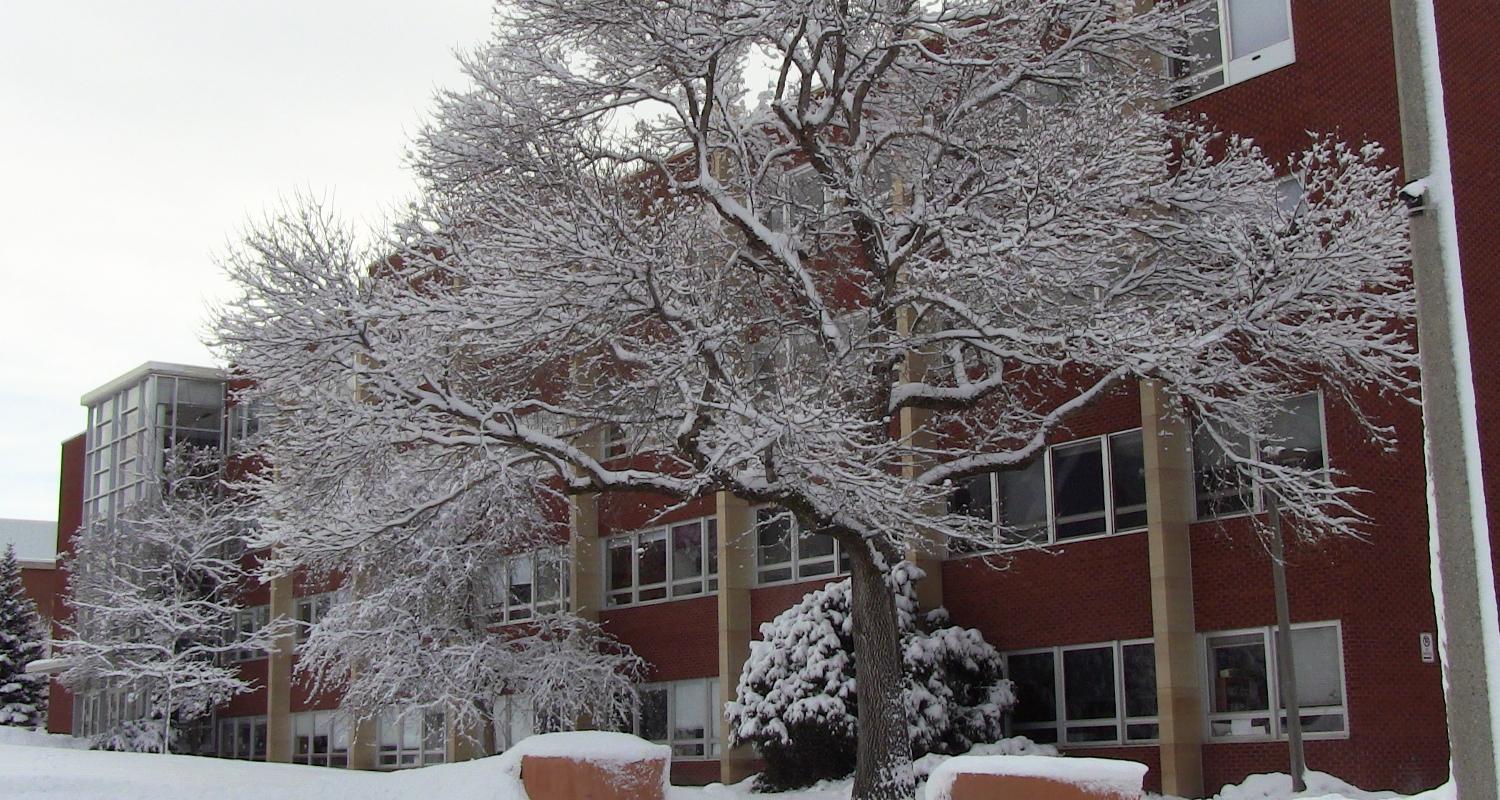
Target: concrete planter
<point>579,778</point>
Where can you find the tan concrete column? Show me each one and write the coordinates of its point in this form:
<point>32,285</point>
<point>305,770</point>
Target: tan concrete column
<point>279,675</point>
<point>928,552</point>
<point>586,561</point>
<point>736,523</point>
<point>364,744</point>
<point>468,744</point>
<point>1169,510</point>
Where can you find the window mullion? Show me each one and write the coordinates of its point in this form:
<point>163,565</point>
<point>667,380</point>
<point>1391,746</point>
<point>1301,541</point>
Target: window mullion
<point>1050,494</point>
<point>1107,464</point>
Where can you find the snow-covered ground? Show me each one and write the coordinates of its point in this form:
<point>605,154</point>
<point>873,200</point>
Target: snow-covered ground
<point>38,766</point>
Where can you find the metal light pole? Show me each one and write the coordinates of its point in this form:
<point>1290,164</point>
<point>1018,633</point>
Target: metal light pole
<point>1286,669</point>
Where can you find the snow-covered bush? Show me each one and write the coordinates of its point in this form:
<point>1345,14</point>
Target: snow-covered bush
<point>23,699</point>
<point>796,696</point>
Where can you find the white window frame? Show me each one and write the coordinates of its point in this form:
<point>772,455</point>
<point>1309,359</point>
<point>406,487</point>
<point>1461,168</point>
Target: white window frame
<point>259,617</point>
<point>796,563</point>
<point>1277,712</point>
<point>504,611</point>
<point>310,725</point>
<point>231,743</point>
<point>710,739</point>
<point>1059,725</point>
<point>1258,499</point>
<point>1252,65</point>
<point>309,610</point>
<point>1111,512</point>
<point>671,585</point>
<point>390,747</point>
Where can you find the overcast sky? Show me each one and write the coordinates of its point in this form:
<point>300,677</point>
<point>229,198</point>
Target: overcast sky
<point>137,137</point>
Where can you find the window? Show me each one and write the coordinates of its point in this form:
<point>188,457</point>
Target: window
<point>1090,487</point>
<point>1242,682</point>
<point>1102,693</point>
<point>682,714</point>
<point>248,622</point>
<point>783,553</point>
<point>310,611</point>
<point>1295,439</point>
<point>243,738</point>
<point>530,584</point>
<point>411,738</point>
<point>680,560</point>
<point>802,199</point>
<point>1248,38</point>
<point>320,738</point>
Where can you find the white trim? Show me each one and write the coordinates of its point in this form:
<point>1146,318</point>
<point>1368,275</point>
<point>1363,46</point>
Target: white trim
<point>1238,70</point>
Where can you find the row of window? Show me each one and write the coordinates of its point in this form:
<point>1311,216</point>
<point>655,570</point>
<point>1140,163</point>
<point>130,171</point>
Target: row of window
<point>679,560</point>
<point>1105,693</point>
<point>530,584</point>
<point>247,623</point>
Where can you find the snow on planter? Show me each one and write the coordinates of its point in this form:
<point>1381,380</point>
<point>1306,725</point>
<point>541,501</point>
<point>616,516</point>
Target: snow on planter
<point>592,764</point>
<point>1036,778</point>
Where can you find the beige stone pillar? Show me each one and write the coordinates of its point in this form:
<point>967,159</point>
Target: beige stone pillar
<point>586,562</point>
<point>928,552</point>
<point>1169,510</point>
<point>736,523</point>
<point>364,744</point>
<point>468,744</point>
<point>279,675</point>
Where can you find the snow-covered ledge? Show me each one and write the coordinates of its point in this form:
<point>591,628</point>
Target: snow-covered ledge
<point>46,666</point>
<point>1036,778</point>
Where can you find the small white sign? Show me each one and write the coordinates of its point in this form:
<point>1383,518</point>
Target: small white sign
<point>1429,648</point>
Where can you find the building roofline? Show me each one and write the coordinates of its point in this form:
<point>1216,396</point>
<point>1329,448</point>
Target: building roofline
<point>151,368</point>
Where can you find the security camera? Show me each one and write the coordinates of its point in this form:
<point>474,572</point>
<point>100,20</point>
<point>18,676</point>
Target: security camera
<point>1414,195</point>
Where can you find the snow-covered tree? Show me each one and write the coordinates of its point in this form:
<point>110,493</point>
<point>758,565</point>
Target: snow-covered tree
<point>23,697</point>
<point>796,699</point>
<point>155,600</point>
<point>424,540</point>
<point>752,236</point>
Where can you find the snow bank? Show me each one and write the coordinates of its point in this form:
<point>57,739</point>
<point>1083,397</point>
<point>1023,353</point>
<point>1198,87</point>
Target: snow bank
<point>1101,774</point>
<point>24,737</point>
<point>1014,746</point>
<point>1278,786</point>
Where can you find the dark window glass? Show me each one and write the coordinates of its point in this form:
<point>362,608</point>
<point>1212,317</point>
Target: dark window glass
<point>1220,486</point>
<point>814,555</point>
<point>687,558</point>
<point>1140,679</point>
<point>1127,475</point>
<point>1078,489</point>
<point>1036,688</point>
<point>1296,437</point>
<point>620,558</point>
<point>652,561</point>
<point>1089,693</point>
<point>1023,503</point>
<point>773,532</point>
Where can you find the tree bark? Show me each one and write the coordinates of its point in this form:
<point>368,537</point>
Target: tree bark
<point>883,768</point>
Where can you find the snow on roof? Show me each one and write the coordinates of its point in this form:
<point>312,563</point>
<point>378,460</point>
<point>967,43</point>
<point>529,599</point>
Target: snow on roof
<point>1104,774</point>
<point>35,539</point>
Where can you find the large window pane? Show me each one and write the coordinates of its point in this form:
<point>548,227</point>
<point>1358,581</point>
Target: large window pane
<point>1036,688</point>
<point>689,716</point>
<point>973,497</point>
<point>1297,434</point>
<point>1315,655</point>
<point>773,547</point>
<point>1089,693</point>
<point>814,555</point>
<point>1078,489</point>
<point>1255,25</point>
<point>1220,486</point>
<point>1140,679</point>
<point>1127,476</point>
<point>1023,503</point>
<point>687,558</point>
<point>621,556</point>
<point>651,566</point>
<point>1237,672</point>
<point>520,583</point>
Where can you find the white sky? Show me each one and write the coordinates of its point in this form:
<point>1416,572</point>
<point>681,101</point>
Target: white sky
<point>136,139</point>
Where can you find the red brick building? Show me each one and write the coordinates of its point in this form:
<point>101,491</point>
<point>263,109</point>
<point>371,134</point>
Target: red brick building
<point>1145,629</point>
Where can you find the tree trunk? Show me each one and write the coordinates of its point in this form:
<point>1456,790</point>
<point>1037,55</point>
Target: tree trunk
<point>883,768</point>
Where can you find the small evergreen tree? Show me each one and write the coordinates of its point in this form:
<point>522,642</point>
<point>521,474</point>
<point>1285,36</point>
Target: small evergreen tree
<point>23,698</point>
<point>796,696</point>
